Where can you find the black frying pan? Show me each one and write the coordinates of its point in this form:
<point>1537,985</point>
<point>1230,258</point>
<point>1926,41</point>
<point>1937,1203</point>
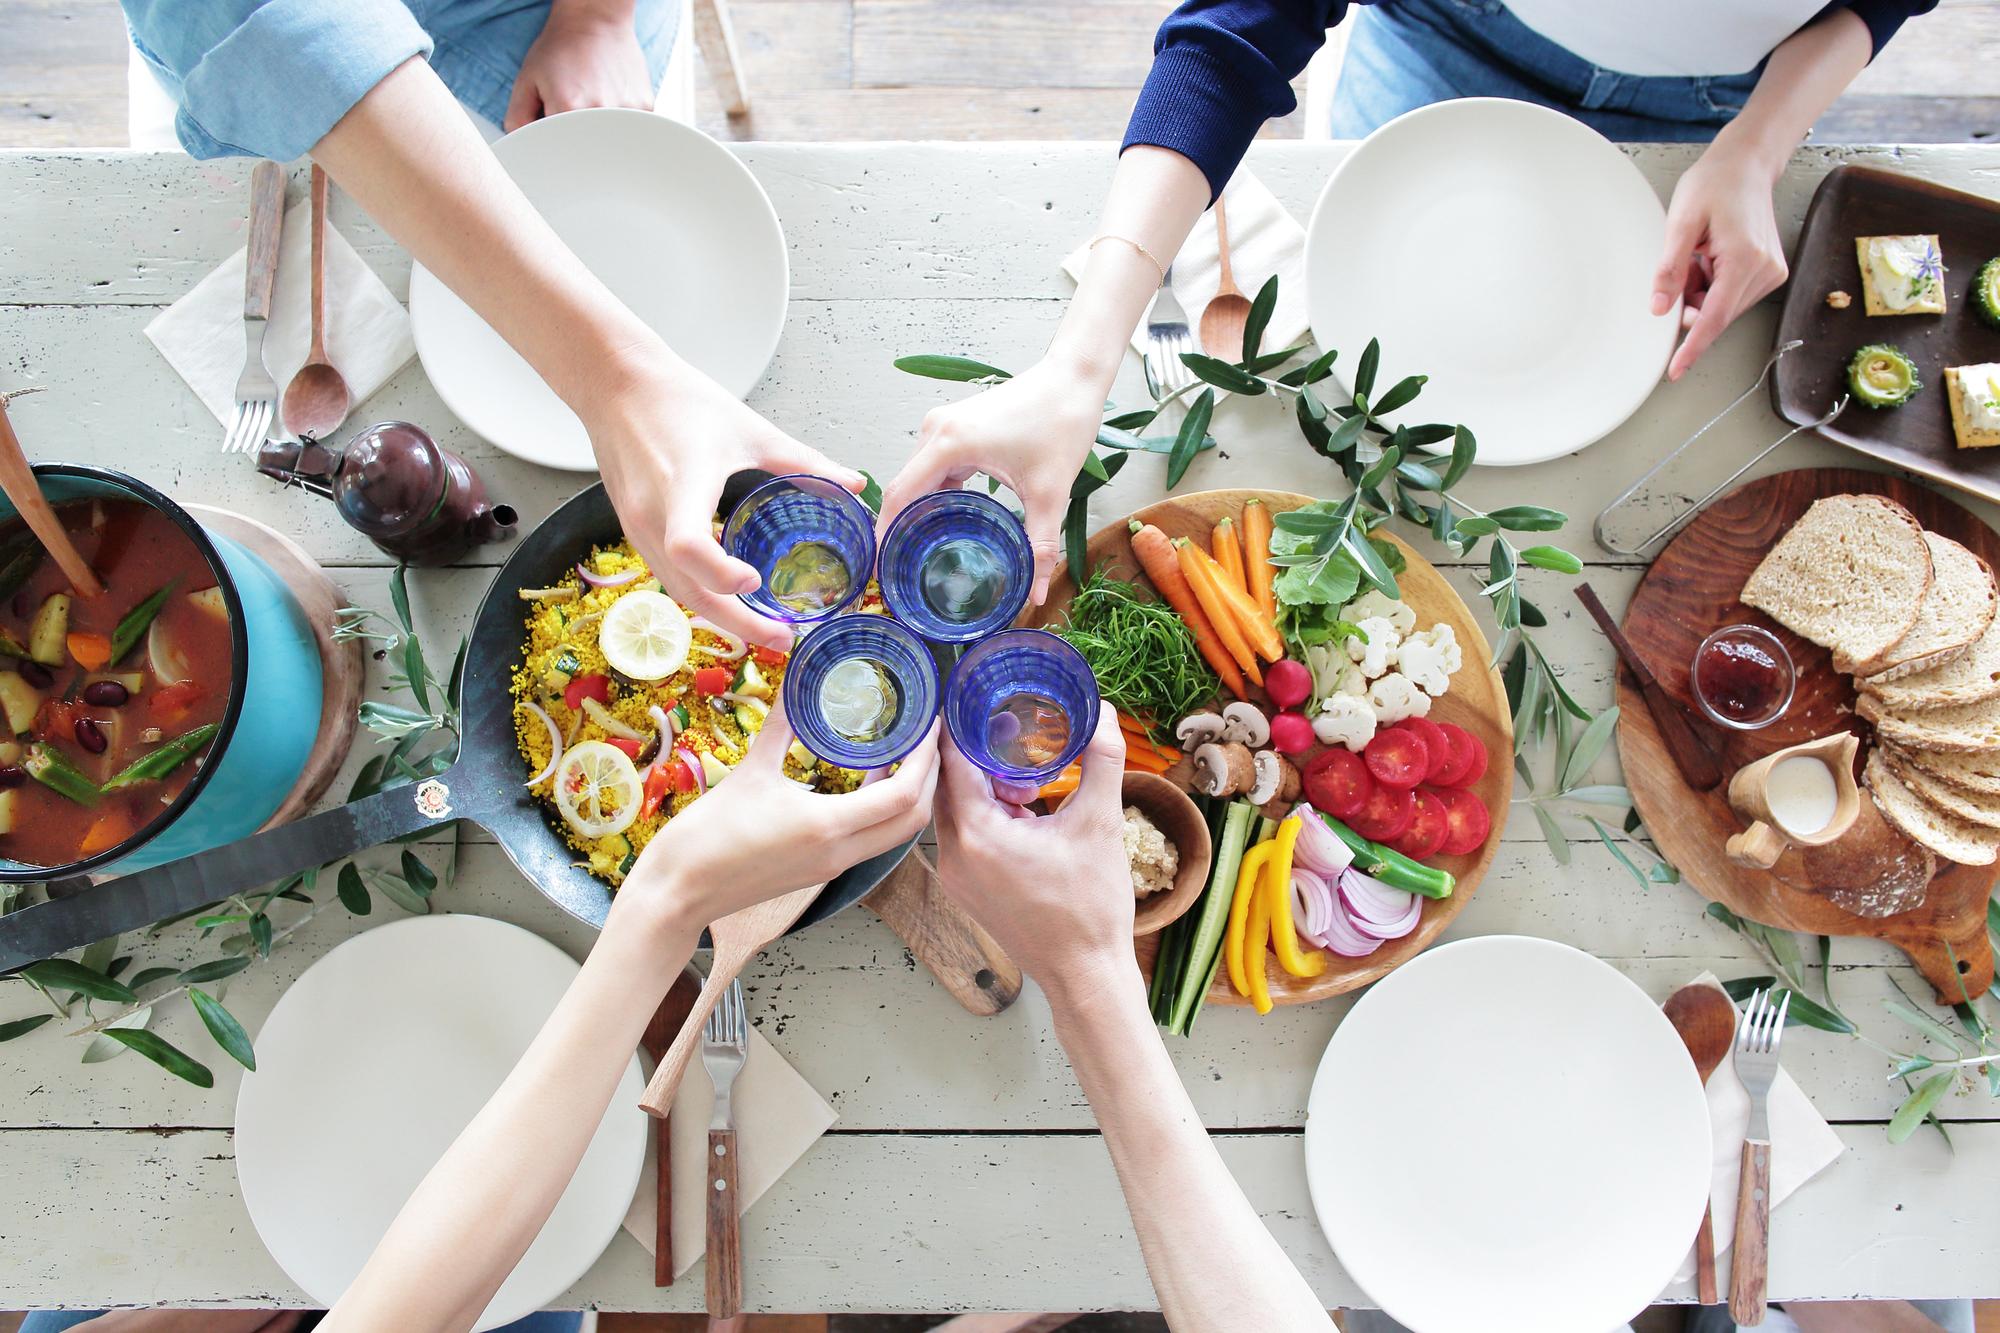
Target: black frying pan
<point>484,784</point>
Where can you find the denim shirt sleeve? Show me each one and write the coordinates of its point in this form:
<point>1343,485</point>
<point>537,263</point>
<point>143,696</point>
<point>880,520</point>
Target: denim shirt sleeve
<point>269,78</point>
<point>1221,68</point>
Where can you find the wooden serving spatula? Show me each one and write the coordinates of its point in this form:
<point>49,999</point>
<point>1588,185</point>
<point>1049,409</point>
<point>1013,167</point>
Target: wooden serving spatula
<point>737,938</point>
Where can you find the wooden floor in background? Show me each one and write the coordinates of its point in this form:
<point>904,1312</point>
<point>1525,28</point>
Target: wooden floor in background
<point>962,69</point>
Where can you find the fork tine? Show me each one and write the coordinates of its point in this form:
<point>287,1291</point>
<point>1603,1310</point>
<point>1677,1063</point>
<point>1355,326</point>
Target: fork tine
<point>1746,1026</point>
<point>1777,1027</point>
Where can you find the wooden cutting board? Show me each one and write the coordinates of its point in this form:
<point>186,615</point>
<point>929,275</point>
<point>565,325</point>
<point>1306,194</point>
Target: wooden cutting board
<point>1477,701</point>
<point>1691,590</point>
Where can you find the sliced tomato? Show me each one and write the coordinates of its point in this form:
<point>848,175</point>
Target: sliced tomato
<point>1337,783</point>
<point>1468,757</point>
<point>630,747</point>
<point>594,686</point>
<point>711,680</point>
<point>680,777</point>
<point>1436,747</point>
<point>1388,812</point>
<point>1397,758</point>
<point>766,656</point>
<point>1429,826</point>
<point>173,702</point>
<point>1467,819</point>
<point>653,794</point>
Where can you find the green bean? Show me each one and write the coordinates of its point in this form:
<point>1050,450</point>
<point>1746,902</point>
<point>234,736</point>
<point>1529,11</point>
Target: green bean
<point>136,623</point>
<point>50,767</point>
<point>19,563</point>
<point>157,764</point>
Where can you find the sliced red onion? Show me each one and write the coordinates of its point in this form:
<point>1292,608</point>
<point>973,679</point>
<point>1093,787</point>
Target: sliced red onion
<point>1319,847</point>
<point>555,742</point>
<point>1342,938</point>
<point>1373,908</point>
<point>597,580</point>
<point>734,648</point>
<point>1312,900</point>
<point>693,761</point>
<point>665,722</point>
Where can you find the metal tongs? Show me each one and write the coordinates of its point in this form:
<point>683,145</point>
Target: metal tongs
<point>1673,524</point>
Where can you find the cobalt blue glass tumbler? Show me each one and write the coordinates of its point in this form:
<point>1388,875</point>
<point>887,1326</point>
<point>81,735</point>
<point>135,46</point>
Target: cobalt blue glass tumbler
<point>956,566</point>
<point>861,690</point>
<point>810,541</point>
<point>1021,705</point>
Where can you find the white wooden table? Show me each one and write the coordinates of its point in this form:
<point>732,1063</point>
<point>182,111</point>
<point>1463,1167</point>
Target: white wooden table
<point>965,1171</point>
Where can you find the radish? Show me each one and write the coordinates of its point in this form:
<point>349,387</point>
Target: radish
<point>1291,733</point>
<point>1288,683</point>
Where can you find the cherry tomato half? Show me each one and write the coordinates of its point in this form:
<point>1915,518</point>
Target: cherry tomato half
<point>1397,758</point>
<point>595,686</point>
<point>1388,812</point>
<point>1435,745</point>
<point>1429,825</point>
<point>1467,819</point>
<point>1337,783</point>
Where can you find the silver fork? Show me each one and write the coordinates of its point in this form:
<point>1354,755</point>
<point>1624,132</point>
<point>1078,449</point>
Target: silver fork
<point>256,391</point>
<point>1758,1036</point>
<point>1167,336</point>
<point>723,1047</point>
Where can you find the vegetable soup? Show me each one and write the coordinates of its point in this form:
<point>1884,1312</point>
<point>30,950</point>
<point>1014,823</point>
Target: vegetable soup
<point>110,704</point>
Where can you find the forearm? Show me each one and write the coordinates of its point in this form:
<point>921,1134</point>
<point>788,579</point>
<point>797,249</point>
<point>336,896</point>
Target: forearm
<point>1804,75</point>
<point>412,159</point>
<point>1214,1265</point>
<point>1156,196</point>
<point>485,1201</point>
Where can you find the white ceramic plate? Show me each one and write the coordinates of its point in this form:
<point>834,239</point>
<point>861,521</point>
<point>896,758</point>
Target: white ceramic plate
<point>1506,251</point>
<point>673,224</point>
<point>1506,1135</point>
<point>369,1067</point>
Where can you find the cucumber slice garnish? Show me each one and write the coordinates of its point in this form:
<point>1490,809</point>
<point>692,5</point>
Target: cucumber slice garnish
<point>1986,293</point>
<point>1881,376</point>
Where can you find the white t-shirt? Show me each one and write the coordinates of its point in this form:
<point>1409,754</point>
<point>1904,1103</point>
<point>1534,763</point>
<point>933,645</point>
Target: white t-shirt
<point>1686,37</point>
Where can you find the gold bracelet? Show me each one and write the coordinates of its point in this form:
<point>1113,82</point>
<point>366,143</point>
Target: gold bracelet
<point>1148,254</point>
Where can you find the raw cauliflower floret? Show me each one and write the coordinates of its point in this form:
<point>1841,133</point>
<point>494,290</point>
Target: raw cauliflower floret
<point>1395,697</point>
<point>1350,680</point>
<point>1379,653</point>
<point>1430,658</point>
<point>1345,719</point>
<point>1376,603</point>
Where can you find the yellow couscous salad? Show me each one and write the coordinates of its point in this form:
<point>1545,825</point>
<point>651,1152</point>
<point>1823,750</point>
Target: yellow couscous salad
<point>626,709</point>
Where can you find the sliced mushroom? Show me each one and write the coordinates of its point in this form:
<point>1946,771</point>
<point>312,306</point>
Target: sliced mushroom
<point>1198,729</point>
<point>1223,768</point>
<point>1277,785</point>
<point>1246,724</point>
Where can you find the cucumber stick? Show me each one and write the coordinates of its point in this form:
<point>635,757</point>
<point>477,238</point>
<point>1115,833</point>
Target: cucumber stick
<point>1204,948</point>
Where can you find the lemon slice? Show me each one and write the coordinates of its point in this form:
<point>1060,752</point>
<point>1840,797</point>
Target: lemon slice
<point>645,635</point>
<point>597,789</point>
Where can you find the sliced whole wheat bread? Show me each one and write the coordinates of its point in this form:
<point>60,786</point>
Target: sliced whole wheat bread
<point>1946,834</point>
<point>1973,809</point>
<point>1966,679</point>
<point>1956,728</point>
<point>1850,575</point>
<point>1958,608</point>
<point>1977,774</point>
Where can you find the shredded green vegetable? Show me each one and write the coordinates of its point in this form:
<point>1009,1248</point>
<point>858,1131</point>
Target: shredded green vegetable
<point>1142,652</point>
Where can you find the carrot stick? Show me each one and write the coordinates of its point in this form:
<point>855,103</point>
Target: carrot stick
<point>1136,736</point>
<point>92,651</point>
<point>1146,761</point>
<point>1260,634</point>
<point>1257,556</point>
<point>1063,783</point>
<point>1228,554</point>
<point>1155,555</point>
<point>1199,571</point>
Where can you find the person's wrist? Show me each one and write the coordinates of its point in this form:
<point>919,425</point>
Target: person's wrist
<point>1089,979</point>
<point>594,11</point>
<point>1755,148</point>
<point>662,909</point>
<point>1074,365</point>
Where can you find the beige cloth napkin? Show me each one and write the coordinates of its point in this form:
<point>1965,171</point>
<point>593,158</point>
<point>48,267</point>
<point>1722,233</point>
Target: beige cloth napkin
<point>367,330</point>
<point>1802,1144</point>
<point>1263,239</point>
<point>778,1117</point>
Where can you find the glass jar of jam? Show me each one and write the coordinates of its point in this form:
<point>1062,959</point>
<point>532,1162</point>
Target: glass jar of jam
<point>1743,677</point>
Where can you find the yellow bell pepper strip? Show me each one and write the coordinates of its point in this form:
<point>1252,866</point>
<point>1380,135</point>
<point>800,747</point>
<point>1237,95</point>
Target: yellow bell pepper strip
<point>1278,885</point>
<point>1256,932</point>
<point>1247,880</point>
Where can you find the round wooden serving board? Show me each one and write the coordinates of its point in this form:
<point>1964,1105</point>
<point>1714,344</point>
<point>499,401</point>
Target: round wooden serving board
<point>1477,702</point>
<point>1690,591</point>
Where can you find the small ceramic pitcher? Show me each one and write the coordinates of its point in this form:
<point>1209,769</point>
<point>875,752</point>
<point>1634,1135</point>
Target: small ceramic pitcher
<point>1750,795</point>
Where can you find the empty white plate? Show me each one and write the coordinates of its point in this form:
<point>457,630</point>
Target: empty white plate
<point>1505,1135</point>
<point>668,219</point>
<point>368,1068</point>
<point>1507,252</point>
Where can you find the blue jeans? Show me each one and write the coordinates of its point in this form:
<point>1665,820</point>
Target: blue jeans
<point>547,1321</point>
<point>1403,54</point>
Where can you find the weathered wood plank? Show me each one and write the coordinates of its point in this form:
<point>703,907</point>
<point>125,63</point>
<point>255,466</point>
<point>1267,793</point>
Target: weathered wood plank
<point>1947,50</point>
<point>1909,118</point>
<point>62,69</point>
<point>999,44</point>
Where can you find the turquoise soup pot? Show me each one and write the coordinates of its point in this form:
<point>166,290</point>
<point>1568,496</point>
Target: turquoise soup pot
<point>274,695</point>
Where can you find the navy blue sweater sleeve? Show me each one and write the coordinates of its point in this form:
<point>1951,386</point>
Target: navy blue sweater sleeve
<point>1221,68</point>
<point>1883,17</point>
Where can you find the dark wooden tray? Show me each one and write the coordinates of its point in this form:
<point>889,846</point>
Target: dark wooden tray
<point>1860,201</point>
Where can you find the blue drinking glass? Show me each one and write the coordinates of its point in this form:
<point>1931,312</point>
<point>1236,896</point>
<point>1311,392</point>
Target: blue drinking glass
<point>819,686</point>
<point>956,566</point>
<point>1021,683</point>
<point>786,513</point>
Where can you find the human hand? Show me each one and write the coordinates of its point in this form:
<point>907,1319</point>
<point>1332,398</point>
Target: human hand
<point>1723,251</point>
<point>588,55</point>
<point>758,834</point>
<point>1030,432</point>
<point>1054,890</point>
<point>667,441</point>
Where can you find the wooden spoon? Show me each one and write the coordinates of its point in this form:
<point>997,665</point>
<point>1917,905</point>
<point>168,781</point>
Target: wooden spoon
<point>1228,310</point>
<point>316,400</point>
<point>1706,1020</point>
<point>737,939</point>
<point>17,479</point>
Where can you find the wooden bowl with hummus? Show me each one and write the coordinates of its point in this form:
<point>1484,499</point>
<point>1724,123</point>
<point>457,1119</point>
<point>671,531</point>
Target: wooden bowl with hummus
<point>1169,832</point>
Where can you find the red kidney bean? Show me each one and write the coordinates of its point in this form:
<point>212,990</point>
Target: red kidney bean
<point>89,735</point>
<point>12,775</point>
<point>37,675</point>
<point>20,604</point>
<point>106,693</point>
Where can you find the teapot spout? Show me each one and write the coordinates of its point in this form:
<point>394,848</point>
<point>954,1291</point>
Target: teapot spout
<point>492,523</point>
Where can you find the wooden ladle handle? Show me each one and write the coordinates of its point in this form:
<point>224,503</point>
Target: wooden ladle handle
<point>17,479</point>
<point>962,956</point>
<point>659,1097</point>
